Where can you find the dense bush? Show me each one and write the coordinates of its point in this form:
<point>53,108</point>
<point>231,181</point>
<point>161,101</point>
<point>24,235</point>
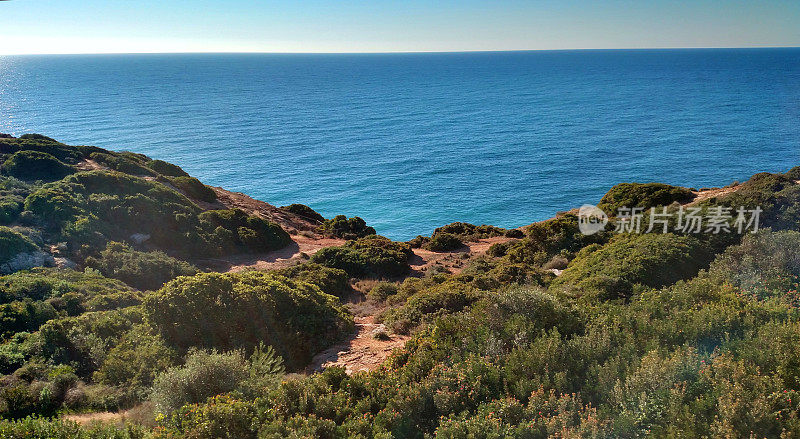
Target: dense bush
<point>233,311</point>
<point>94,291</point>
<point>443,242</point>
<point>13,243</point>
<point>331,281</point>
<point>91,208</point>
<point>653,260</point>
<point>382,290</point>
<point>12,196</point>
<point>24,316</point>
<point>142,270</point>
<point>10,208</point>
<point>346,228</point>
<point>166,169</point>
<point>35,136</point>
<point>777,195</point>
<point>34,165</point>
<point>204,374</point>
<point>373,256</point>
<point>44,428</point>
<point>470,232</point>
<point>305,212</point>
<point>644,195</point>
<point>557,236</point>
<point>233,230</point>
<point>135,361</point>
<point>444,238</point>
<point>120,163</point>
<point>432,302</point>
<point>765,264</point>
<point>117,204</point>
<point>194,189</point>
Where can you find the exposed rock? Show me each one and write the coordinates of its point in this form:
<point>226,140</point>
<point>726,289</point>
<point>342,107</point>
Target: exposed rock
<point>139,238</point>
<point>26,261</point>
<point>65,263</point>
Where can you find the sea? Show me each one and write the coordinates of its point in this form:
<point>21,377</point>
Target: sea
<point>413,141</point>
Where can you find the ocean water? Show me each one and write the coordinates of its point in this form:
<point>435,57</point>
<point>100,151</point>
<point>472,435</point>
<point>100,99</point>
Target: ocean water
<point>414,141</point>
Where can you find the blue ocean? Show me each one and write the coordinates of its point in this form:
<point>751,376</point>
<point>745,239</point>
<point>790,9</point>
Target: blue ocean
<point>414,141</point>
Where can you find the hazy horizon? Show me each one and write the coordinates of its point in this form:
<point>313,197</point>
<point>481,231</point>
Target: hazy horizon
<point>383,26</point>
<point>401,51</point>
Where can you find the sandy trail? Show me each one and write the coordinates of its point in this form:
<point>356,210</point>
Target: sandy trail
<point>361,351</point>
<point>290,255</point>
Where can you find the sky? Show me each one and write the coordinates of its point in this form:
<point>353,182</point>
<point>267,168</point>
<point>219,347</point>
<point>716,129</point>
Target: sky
<point>128,26</point>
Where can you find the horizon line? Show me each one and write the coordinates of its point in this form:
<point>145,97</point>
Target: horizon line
<point>256,52</point>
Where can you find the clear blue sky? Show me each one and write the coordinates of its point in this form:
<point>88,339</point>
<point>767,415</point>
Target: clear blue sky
<point>101,26</point>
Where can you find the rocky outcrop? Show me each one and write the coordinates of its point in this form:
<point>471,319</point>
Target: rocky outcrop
<point>26,261</point>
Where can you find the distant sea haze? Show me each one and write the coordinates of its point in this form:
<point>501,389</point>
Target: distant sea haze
<point>411,142</point>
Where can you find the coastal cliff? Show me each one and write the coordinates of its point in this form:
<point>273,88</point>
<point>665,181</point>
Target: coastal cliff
<point>131,289</point>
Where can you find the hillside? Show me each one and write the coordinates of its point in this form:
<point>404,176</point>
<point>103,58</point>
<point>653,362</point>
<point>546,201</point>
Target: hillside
<point>131,293</point>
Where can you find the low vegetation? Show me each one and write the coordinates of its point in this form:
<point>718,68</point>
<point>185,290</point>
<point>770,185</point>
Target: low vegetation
<point>238,311</point>
<point>142,270</point>
<point>371,256</point>
<point>643,195</point>
<point>305,212</point>
<point>550,334</point>
<point>346,228</point>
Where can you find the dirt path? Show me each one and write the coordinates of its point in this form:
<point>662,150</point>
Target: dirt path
<point>362,351</point>
<point>290,255</point>
<point>700,196</point>
<point>452,261</point>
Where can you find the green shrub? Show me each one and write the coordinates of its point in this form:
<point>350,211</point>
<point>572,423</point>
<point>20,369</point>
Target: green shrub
<point>166,169</point>
<point>91,208</point>
<point>9,210</point>
<point>24,316</point>
<point>54,428</point>
<point>120,163</point>
<point>644,195</point>
<point>142,270</point>
<point>330,280</point>
<point>346,228</point>
<point>432,302</point>
<point>373,256</point>
<point>777,195</point>
<point>549,238</point>
<point>794,173</point>
<point>34,165</point>
<point>305,212</point>
<point>765,264</point>
<point>135,361</point>
<point>232,311</point>
<point>233,229</point>
<point>84,341</point>
<point>382,290</point>
<point>653,260</point>
<point>40,137</point>
<point>443,242</point>
<point>12,243</point>
<point>469,232</point>
<point>194,189</point>
<point>204,374</point>
<point>119,205</point>
<point>48,283</point>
